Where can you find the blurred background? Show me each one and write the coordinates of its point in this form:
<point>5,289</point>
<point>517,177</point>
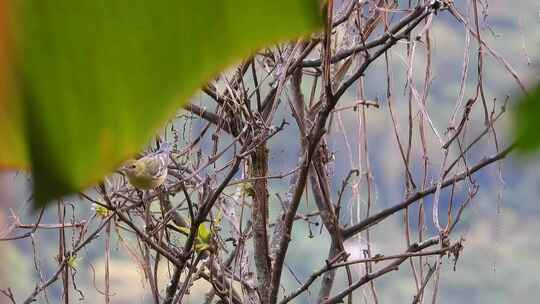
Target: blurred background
<point>499,263</point>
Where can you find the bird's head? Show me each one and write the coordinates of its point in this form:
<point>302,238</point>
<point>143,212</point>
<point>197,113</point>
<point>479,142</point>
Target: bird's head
<point>133,167</point>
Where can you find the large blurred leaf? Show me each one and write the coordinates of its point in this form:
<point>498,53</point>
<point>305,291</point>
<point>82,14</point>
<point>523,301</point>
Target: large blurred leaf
<point>527,121</point>
<point>96,78</point>
<point>12,152</point>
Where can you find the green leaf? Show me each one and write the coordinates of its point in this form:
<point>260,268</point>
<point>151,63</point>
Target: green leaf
<point>12,146</point>
<point>203,234</point>
<point>248,189</point>
<point>527,121</point>
<point>72,261</point>
<point>216,223</point>
<point>202,241</point>
<point>101,211</point>
<point>95,79</point>
<point>184,230</point>
<point>201,247</point>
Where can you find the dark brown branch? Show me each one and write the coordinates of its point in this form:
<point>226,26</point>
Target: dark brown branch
<point>209,116</point>
<point>376,218</point>
<point>312,278</point>
<point>56,275</point>
<point>391,267</point>
<point>124,218</point>
<point>416,17</point>
<point>259,219</point>
<point>372,44</point>
<point>418,295</point>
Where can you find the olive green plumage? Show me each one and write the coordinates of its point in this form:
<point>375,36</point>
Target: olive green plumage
<point>150,171</point>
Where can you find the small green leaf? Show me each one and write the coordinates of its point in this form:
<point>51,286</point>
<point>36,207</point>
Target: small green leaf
<point>527,121</point>
<point>248,189</point>
<point>202,240</point>
<point>201,247</point>
<point>184,230</point>
<point>72,261</point>
<point>204,234</point>
<point>101,211</point>
<point>216,223</point>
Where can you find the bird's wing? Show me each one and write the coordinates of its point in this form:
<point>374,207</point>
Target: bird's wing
<point>156,164</point>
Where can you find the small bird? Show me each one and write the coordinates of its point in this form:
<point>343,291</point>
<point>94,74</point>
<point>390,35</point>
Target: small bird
<point>150,171</point>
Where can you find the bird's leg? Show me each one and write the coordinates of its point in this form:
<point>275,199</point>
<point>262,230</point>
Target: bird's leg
<point>142,201</point>
<point>140,194</point>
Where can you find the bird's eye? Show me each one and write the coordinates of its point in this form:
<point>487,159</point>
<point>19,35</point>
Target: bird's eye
<point>133,166</point>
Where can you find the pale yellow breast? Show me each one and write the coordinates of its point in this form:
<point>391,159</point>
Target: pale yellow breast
<point>145,182</point>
